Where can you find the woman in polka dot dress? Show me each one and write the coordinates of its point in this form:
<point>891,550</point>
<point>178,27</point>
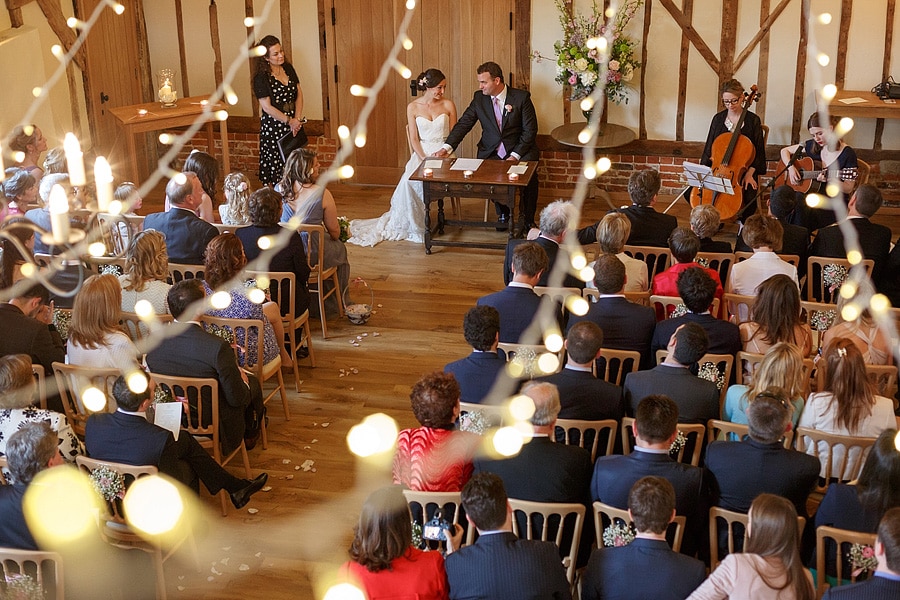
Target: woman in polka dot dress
<point>277,87</point>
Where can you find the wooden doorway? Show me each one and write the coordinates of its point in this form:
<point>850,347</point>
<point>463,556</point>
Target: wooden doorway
<point>455,37</point>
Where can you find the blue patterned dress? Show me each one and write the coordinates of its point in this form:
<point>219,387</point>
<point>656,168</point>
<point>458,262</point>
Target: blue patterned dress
<point>242,308</point>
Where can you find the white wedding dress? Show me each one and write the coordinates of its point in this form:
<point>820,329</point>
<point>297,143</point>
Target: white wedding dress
<point>406,219</point>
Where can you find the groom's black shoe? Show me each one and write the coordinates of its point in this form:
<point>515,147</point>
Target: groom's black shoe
<point>242,496</point>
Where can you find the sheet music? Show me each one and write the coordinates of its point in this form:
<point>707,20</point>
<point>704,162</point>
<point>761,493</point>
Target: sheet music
<point>466,164</point>
<point>168,416</point>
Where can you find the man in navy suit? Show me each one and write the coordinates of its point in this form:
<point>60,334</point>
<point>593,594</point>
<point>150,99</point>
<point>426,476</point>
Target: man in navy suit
<point>625,325</point>
<point>554,224</point>
<point>508,131</point>
<point>697,399</point>
<point>477,372</point>
<point>498,565</point>
<point>647,567</point>
<point>581,394</point>
<point>697,290</point>
<point>655,428</point>
<point>885,583</point>
<point>517,303</point>
<point>126,436</point>
<point>187,235</point>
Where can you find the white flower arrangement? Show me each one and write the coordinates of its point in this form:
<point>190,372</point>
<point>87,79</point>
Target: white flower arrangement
<point>710,372</point>
<point>618,534</point>
<point>109,484</point>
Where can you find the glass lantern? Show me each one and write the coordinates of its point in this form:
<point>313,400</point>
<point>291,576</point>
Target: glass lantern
<point>167,94</point>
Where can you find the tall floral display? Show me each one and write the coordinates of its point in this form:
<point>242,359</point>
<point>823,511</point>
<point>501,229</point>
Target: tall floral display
<point>581,60</point>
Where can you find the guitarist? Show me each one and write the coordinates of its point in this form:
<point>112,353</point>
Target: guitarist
<point>841,157</point>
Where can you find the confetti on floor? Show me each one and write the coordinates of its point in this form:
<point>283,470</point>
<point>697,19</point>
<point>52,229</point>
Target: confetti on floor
<point>307,464</point>
<point>252,511</point>
<point>268,488</point>
<point>244,567</point>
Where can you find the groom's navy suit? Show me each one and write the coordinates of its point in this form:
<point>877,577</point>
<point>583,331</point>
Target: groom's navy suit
<point>518,132</point>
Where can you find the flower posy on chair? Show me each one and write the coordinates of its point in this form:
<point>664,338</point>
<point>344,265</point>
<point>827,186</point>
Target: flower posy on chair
<point>581,60</point>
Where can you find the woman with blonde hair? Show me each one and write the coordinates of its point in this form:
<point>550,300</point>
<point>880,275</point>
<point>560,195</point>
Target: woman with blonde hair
<point>17,388</point>
<point>30,141</point>
<point>236,210</point>
<point>781,368</point>
<point>146,272</point>
<point>775,317</point>
<point>769,568</point>
<point>95,337</point>
<point>612,233</point>
<point>846,405</point>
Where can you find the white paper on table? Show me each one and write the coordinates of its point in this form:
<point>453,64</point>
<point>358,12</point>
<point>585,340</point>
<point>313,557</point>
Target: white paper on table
<point>168,416</point>
<point>466,164</point>
<point>854,100</point>
<point>518,169</point>
<point>433,163</point>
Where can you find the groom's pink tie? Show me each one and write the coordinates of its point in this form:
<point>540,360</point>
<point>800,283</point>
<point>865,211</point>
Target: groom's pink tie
<point>501,150</point>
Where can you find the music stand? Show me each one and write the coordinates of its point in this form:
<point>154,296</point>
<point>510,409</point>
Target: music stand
<point>700,176</point>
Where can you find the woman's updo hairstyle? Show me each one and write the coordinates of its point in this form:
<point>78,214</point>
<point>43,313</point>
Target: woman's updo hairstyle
<point>429,79</point>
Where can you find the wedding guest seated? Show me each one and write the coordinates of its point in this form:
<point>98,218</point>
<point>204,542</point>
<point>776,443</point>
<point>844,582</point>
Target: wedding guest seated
<point>761,464</point>
<point>863,331</point>
<point>499,565</point>
<point>15,250</point>
<point>775,318</point>
<point>21,191</point>
<point>129,195</point>
<point>697,290</point>
<point>795,238</point>
<point>697,398</point>
<point>781,368</point>
<point>612,232</point>
<point>17,387</point>
<point>383,562</point>
<point>187,235</point>
<point>889,285</point>
<point>146,272</point>
<point>885,583</point>
<point>236,209</point>
<point>625,325</point>
<point>763,233</point>
<point>126,436</point>
<point>621,572</point>
<point>860,505</point>
<point>847,405</point>
<point>30,450</point>
<point>30,316</point>
<point>684,245</point>
<point>477,372</point>
<point>55,161</point>
<point>648,226</point>
<point>770,567</point>
<point>434,457</point>
<point>40,216</point>
<point>655,428</point>
<point>517,303</point>
<point>554,223</point>
<point>706,222</point>
<point>206,167</point>
<point>581,394</point>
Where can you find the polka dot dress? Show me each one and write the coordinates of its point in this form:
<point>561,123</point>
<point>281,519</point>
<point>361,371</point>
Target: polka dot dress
<point>271,165</point>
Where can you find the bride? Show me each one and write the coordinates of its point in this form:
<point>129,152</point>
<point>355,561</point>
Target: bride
<point>429,120</point>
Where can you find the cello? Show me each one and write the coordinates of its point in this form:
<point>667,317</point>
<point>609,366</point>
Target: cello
<point>732,154</point>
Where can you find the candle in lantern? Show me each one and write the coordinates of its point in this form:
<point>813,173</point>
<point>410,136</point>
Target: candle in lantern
<point>165,90</point>
<point>74,160</point>
<point>59,213</point>
<point>103,179</point>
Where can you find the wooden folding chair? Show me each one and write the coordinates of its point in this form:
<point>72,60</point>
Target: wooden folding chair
<point>423,506</point>
<point>738,307</point>
<point>496,415</point>
<point>40,386</point>
<point>728,431</point>
<point>794,259</point>
<point>178,272</point>
<point>657,259</point>
<point>44,568</point>
<point>570,427</point>
<point>818,266</point>
<point>842,469</point>
<point>614,365</point>
<point>695,431</point>
<point>717,261</point>
<point>841,540</point>
<point>666,307</point>
<point>319,274</point>
<point>604,513</point>
<point>530,367</point>
<point>556,520</point>
<point>73,382</point>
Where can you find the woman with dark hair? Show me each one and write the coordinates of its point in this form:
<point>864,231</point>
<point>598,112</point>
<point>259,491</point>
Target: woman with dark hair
<point>224,260</point>
<point>775,317</point>
<point>30,141</point>
<point>206,168</point>
<point>434,457</point>
<point>264,207</point>
<point>847,405</point>
<point>384,564</point>
<point>429,120</point>
<point>769,567</point>
<point>277,88</point>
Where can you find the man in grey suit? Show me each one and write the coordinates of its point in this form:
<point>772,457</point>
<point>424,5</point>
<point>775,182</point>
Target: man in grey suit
<point>499,566</point>
<point>622,573</point>
<point>187,235</point>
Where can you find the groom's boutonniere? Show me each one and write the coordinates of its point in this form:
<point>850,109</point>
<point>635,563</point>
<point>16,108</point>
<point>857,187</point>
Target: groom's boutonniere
<point>508,109</point>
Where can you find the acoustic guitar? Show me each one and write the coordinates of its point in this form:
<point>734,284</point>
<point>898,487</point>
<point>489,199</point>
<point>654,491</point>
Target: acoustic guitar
<point>809,175</point>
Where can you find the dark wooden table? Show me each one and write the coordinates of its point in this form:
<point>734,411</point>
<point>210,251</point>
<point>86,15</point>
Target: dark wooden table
<point>490,181</point>
<point>873,107</point>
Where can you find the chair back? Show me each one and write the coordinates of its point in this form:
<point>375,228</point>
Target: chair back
<point>423,506</point>
<point>561,295</point>
<point>731,519</point>
<point>738,307</point>
<point>605,515</point>
<point>614,365</point>
<point>313,238</point>
<point>717,261</point>
<point>129,474</point>
<point>44,568</point>
<point>110,265</point>
<point>246,336</point>
<point>4,467</point>
<point>551,522</point>
<point>794,259</point>
<point>694,434</point>
<point>74,381</point>
<point>138,328</point>
<point>642,298</point>
<point>587,434</point>
<point>724,365</point>
<point>40,385</point>
<point>202,420</point>
<point>735,432</point>
<point>528,357</point>
<point>223,228</point>
<point>862,172</point>
<point>842,466</point>
<point>495,415</point>
<point>841,540</point>
<point>882,377</point>
<point>667,307</point>
<point>119,230</point>
<point>657,259</point>
<point>179,272</point>
<point>835,270</point>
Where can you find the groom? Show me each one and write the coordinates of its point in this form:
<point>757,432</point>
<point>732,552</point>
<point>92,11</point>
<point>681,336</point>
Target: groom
<point>508,131</point>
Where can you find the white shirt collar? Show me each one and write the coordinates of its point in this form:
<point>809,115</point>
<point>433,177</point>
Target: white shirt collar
<point>141,414</point>
<point>520,284</point>
<point>502,97</point>
<point>577,368</point>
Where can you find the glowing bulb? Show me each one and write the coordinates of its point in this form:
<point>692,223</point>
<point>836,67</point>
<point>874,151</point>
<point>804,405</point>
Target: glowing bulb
<point>813,200</point>
<point>97,249</point>
<point>554,342</point>
<point>345,172</point>
<point>521,407</point>
<point>848,290</point>
<point>74,160</point>
<point>37,91</point>
<point>879,304</point>
<point>115,207</point>
<point>360,140</point>
<point>103,180</point>
<point>94,399</point>
<point>515,369</point>
<point>832,189</point>
<point>137,382</point>
<point>27,270</point>
<point>249,22</point>
<point>144,309</point>
<point>57,51</point>
<point>230,96</point>
<point>507,441</point>
<point>584,136</point>
<point>850,312</point>
<point>602,44</point>
<point>259,51</point>
<point>72,22</point>
<point>220,300</point>
<point>829,91</point>
<point>18,156</point>
<point>265,242</point>
<point>579,261</point>
<point>843,127</point>
<point>344,591</point>
<point>604,164</point>
<point>166,139</point>
<point>586,274</point>
<point>153,505</point>
<point>358,90</point>
<point>897,441</point>
<point>117,8</point>
<point>548,362</point>
<point>590,172</point>
<point>343,132</point>
<point>256,296</point>
<point>854,257</point>
<point>374,435</point>
<point>60,506</point>
<point>407,44</point>
<point>823,59</point>
<point>221,115</point>
<point>825,18</point>
<point>587,103</point>
<point>180,178</point>
<point>578,306</point>
<point>262,282</point>
<point>410,4</point>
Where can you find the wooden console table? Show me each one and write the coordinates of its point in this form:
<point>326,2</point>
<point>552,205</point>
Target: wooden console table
<point>490,181</point>
<point>142,118</point>
<point>612,135</point>
<point>873,107</point>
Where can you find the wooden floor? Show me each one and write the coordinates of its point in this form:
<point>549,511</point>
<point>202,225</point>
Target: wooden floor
<point>300,534</point>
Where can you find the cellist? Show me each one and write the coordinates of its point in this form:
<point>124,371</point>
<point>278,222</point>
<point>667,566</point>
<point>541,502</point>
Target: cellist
<point>723,122</point>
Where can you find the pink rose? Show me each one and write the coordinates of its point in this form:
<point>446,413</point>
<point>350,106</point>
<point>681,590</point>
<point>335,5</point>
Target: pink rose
<point>572,80</point>
<point>508,108</point>
<point>613,65</point>
<point>868,552</point>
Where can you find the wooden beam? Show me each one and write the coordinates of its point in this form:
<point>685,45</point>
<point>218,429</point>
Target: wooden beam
<point>885,63</point>
<point>642,117</point>
<point>765,25</point>
<point>800,72</point>
<point>248,12</point>
<point>323,61</point>
<point>15,12</point>
<point>522,32</point>
<point>683,61</point>
<point>76,113</point>
<point>840,66</point>
<point>57,22</point>
<point>762,68</point>
<point>728,41</point>
<point>146,72</point>
<point>182,54</point>
<point>286,27</point>
<point>567,90</point>
<point>216,44</point>
<point>692,35</point>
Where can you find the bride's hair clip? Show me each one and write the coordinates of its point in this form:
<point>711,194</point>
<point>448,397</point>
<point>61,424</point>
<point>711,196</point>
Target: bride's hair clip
<point>842,352</point>
<point>423,82</point>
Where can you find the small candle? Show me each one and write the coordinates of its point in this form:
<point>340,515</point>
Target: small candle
<point>513,176</point>
<point>142,112</point>
<point>74,160</point>
<point>104,180</point>
<point>165,90</point>
<point>428,172</point>
<point>59,213</point>
<point>467,174</point>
